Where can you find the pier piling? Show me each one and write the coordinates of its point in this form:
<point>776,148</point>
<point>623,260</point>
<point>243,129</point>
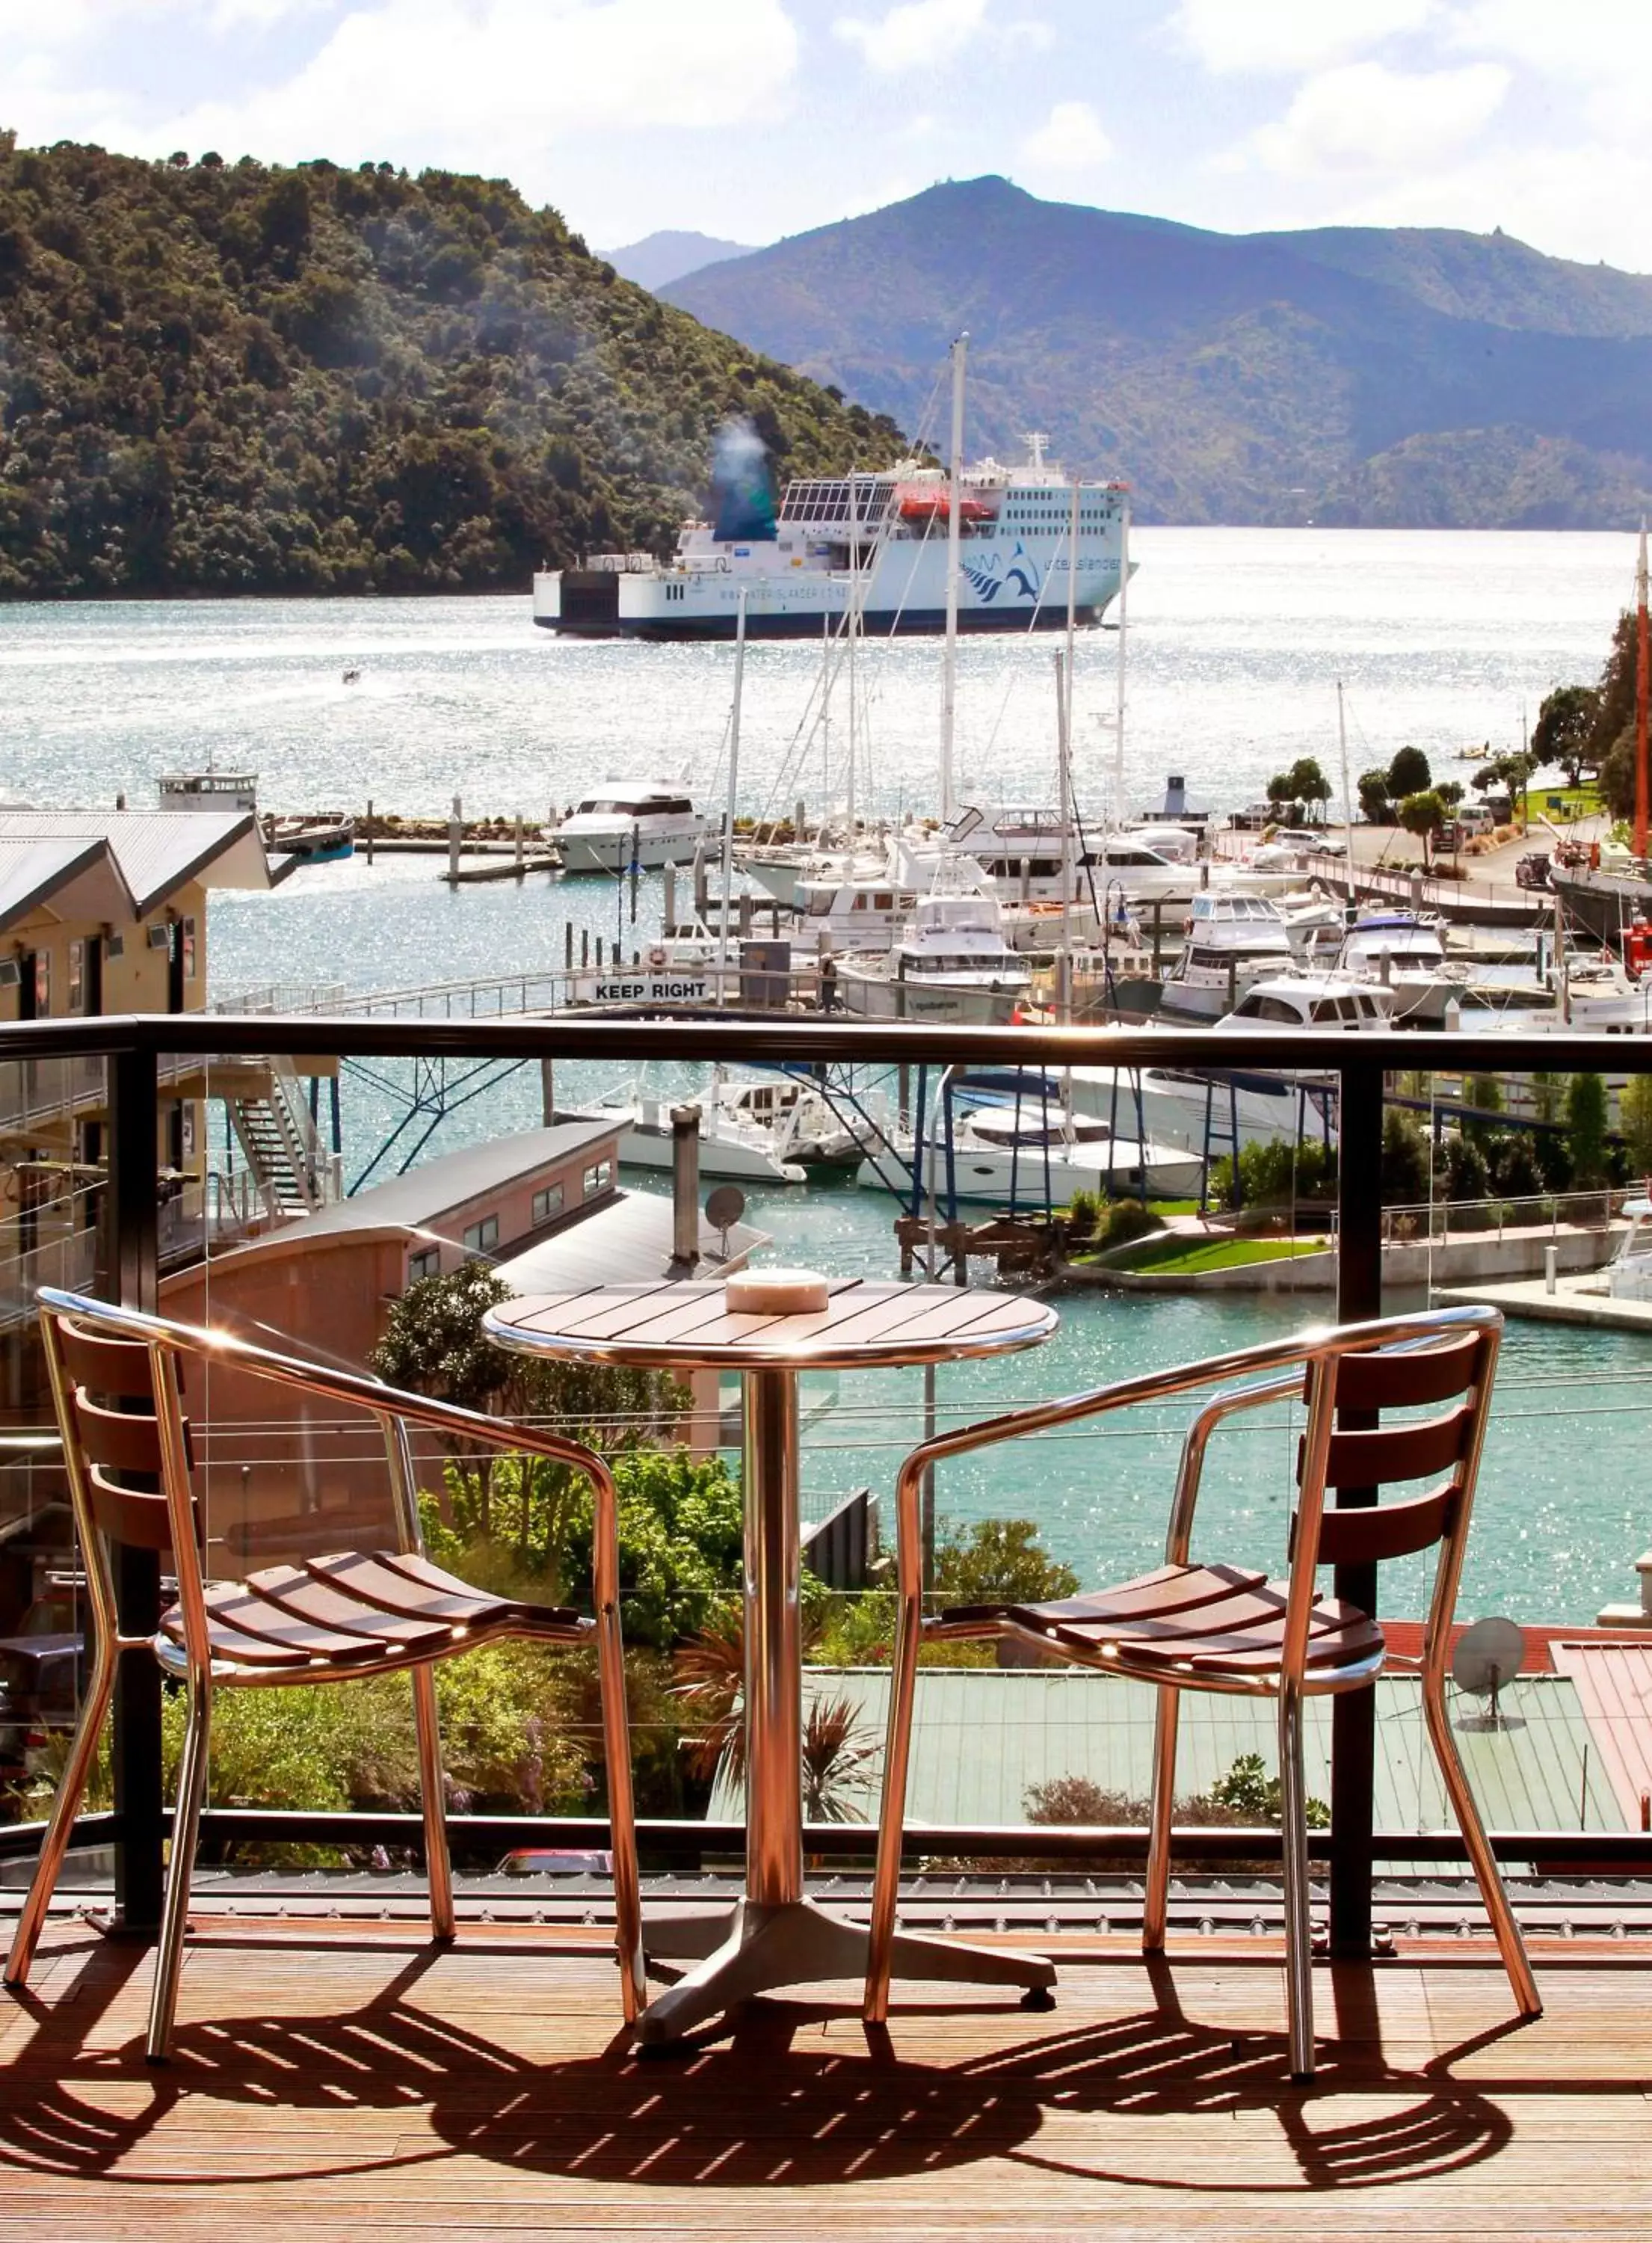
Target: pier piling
<point>455,835</point>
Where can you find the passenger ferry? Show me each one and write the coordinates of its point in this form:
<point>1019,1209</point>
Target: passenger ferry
<point>876,542</point>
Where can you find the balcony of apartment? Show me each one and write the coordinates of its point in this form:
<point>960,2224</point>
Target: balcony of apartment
<point>334,2068</point>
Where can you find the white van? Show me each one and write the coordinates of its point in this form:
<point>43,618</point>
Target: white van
<point>1474,817</point>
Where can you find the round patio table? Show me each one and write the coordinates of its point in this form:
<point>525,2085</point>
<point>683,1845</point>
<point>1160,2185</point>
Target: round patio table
<point>776,1936</point>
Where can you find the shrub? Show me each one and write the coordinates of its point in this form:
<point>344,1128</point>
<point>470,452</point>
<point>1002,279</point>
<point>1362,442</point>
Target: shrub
<point>1122,1220</point>
<point>998,1561</point>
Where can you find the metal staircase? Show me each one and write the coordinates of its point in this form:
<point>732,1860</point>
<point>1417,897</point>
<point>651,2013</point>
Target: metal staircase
<point>282,1147</point>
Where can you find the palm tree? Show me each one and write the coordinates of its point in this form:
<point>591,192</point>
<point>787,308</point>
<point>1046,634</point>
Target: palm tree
<point>838,1752</point>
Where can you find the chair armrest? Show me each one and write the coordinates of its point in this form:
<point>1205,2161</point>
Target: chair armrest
<point>1190,1471</point>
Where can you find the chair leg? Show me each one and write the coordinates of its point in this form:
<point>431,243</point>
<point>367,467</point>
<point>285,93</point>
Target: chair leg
<point>186,1827</point>
<point>1510,1945</point>
<point>1298,1940</point>
<point>433,1799</point>
<point>616,1746</point>
<point>891,1815</point>
<point>64,1807</point>
<point>1156,1899</point>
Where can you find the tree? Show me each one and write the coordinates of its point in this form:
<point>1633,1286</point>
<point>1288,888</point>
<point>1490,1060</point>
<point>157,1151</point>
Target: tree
<point>1374,806</point>
<point>1423,814</point>
<point>1450,792</point>
<point>999,1561</point>
<point>1307,783</point>
<point>1408,773</point>
<point>1485,1093</point>
<point>1586,1130</point>
<point>1565,730</point>
<point>434,1344</point>
<point>1405,1159</point>
<point>1634,1119</point>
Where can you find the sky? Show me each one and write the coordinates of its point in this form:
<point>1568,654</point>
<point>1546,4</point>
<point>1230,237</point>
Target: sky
<point>748,119</point>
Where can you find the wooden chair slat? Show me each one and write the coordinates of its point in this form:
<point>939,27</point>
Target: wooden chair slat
<point>117,1368</point>
<point>1394,1452</point>
<point>122,1441</point>
<point>1406,1378</point>
<point>134,1516</point>
<point>1387,1530</point>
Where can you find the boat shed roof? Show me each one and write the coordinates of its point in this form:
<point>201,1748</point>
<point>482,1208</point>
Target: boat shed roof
<point>984,1737</point>
<point>75,877</point>
<point>156,851</point>
<point>420,1199</point>
<point>624,1241</point>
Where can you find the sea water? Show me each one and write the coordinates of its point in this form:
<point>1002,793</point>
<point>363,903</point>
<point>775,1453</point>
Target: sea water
<point>1237,641</point>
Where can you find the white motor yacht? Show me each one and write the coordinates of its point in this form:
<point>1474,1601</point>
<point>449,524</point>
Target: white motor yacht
<point>1232,940</point>
<point>1628,1274</point>
<point>951,963</point>
<point>801,1122</point>
<point>647,822</point>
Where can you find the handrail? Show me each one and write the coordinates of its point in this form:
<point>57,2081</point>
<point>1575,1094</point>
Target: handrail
<point>780,1039</point>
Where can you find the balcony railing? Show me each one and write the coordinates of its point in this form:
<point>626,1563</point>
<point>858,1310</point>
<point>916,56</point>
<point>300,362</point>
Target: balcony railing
<point>138,1051</point>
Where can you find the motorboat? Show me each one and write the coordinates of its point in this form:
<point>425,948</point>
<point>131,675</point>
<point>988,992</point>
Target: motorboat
<point>1312,1000</point>
<point>625,822</point>
<point>208,790</point>
<point>951,963</point>
<point>802,1123</point>
<point>1628,1274</point>
<point>1232,940</point>
<point>324,840</point>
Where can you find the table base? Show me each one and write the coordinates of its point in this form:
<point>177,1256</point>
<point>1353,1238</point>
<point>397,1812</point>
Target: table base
<point>758,1946</point>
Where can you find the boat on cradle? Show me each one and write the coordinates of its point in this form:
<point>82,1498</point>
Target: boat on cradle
<point>731,1144</point>
<point>625,822</point>
<point>800,1123</point>
<point>951,963</point>
<point>1033,1155</point>
<point>876,544</point>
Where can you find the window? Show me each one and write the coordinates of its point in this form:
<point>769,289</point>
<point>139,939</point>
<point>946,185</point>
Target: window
<point>482,1237</point>
<point>599,1177</point>
<point>548,1205</point>
<point>77,976</point>
<point>43,984</point>
<point>188,938</point>
<point>425,1263</point>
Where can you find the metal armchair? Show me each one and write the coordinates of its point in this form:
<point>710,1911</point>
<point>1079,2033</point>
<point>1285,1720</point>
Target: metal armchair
<point>117,1380</point>
<point>1230,1628</point>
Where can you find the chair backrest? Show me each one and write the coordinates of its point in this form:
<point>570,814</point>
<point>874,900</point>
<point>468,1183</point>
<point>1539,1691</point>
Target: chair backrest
<point>1344,1385</point>
<point>108,1412</point>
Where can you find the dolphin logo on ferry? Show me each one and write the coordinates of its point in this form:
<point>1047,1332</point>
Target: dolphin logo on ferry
<point>992,578</point>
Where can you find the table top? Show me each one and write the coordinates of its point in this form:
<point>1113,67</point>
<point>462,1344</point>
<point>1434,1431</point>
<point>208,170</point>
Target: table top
<point>687,1326</point>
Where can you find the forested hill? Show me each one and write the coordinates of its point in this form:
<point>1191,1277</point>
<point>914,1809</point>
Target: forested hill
<point>1409,377</point>
<point>222,377</point>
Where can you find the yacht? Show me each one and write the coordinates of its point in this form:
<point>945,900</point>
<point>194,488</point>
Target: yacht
<point>1232,940</point>
<point>951,963</point>
<point>648,823</point>
<point>803,1123</point>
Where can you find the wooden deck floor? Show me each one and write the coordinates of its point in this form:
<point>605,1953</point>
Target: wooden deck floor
<point>353,2085</point>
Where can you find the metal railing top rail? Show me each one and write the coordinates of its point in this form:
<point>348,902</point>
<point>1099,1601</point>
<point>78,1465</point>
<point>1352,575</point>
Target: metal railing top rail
<point>787,1040</point>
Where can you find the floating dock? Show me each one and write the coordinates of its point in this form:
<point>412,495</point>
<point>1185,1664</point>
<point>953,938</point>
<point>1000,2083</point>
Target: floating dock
<point>1574,1300</point>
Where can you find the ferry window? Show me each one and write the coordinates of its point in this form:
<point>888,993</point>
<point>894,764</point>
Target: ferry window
<point>546,1204</point>
<point>427,1263</point>
<point>598,1178</point>
<point>482,1237</point>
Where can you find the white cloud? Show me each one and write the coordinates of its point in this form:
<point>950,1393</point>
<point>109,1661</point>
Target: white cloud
<point>1365,117</point>
<point>1291,35</point>
<point>486,84</point>
<point>1590,41</point>
<point>1583,202</point>
<point>1069,140</point>
<point>916,35</point>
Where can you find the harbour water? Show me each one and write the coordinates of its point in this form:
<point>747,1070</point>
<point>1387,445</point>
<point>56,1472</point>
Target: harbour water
<point>1238,639</point>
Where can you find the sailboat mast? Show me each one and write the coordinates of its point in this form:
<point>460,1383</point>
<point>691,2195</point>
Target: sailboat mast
<point>854,629</point>
<point>954,570</point>
<point>1123,619</point>
<point>1642,677</point>
<point>1348,797</point>
<point>734,790</point>
<point>1065,794</point>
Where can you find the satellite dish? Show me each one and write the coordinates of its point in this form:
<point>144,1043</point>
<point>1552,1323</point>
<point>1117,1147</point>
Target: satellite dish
<point>1487,1656</point>
<point>725,1208</point>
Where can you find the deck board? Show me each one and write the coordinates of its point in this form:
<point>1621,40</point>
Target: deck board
<point>347,2084</point>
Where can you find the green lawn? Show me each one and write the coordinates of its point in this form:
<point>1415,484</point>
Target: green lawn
<point>1177,1258</point>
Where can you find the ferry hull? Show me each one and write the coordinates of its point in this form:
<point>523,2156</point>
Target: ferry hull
<point>878,623</point>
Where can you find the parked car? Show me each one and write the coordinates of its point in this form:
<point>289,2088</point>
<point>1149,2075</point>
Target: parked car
<point>556,1862</point>
<point>1532,871</point>
<point>1306,836</point>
